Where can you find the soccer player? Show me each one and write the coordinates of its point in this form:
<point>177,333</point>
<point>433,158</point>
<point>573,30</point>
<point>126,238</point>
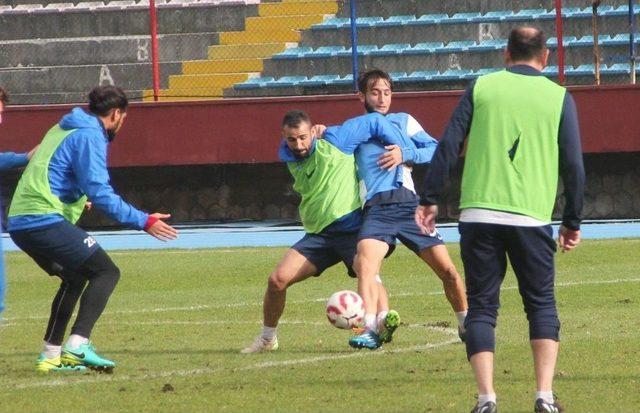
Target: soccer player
<point>389,210</point>
<point>521,132</point>
<point>324,173</point>
<point>69,167</point>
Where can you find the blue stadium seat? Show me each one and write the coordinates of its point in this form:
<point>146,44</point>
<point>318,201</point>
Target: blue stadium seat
<point>621,11</point>
<point>428,19</point>
<point>363,49</point>
<point>397,21</point>
<point>462,18</point>
<point>425,48</point>
<point>567,41</point>
<point>454,74</point>
<point>254,83</point>
<point>368,21</point>
<point>622,39</point>
<point>459,46</point>
<point>287,81</point>
<point>616,69</point>
<point>398,76</point>
<point>391,49</point>
<point>493,44</point>
<point>577,13</point>
<point>494,16</point>
<point>588,40</point>
<point>334,23</point>
<point>326,51</point>
<point>550,71</point>
<point>293,53</point>
<point>320,80</point>
<point>547,15</point>
<point>582,70</point>
<point>420,76</point>
<point>347,80</point>
<point>527,14</point>
<point>486,71</point>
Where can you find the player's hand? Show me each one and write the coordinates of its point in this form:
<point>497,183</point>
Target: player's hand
<point>317,131</point>
<point>568,239</point>
<point>426,218</point>
<point>88,205</point>
<point>160,229</point>
<point>391,158</point>
<point>32,152</point>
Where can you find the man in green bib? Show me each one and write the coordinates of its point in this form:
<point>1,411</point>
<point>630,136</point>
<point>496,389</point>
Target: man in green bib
<point>69,169</point>
<point>324,173</point>
<point>522,131</point>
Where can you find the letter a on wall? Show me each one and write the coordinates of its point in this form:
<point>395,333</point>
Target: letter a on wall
<point>105,77</point>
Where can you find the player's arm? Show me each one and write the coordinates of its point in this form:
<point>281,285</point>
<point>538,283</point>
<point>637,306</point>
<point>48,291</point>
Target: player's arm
<point>421,151</point>
<point>572,173</point>
<point>10,160</point>
<point>90,167</point>
<point>444,160</point>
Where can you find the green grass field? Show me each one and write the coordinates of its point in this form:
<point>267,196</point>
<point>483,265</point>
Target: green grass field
<point>178,319</point>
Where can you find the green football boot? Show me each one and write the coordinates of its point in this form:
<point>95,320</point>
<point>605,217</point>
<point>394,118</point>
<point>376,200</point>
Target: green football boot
<point>85,355</point>
<point>388,326</point>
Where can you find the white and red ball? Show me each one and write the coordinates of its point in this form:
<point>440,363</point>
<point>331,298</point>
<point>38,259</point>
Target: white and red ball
<point>345,309</point>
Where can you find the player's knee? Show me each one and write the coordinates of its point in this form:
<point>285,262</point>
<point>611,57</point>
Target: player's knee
<point>278,281</point>
<point>449,275</point>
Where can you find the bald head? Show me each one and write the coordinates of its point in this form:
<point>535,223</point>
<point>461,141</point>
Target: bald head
<point>526,44</point>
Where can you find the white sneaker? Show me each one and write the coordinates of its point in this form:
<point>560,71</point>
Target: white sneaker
<point>260,345</point>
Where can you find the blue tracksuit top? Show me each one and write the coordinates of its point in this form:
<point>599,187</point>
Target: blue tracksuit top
<point>10,160</point>
<point>79,166</point>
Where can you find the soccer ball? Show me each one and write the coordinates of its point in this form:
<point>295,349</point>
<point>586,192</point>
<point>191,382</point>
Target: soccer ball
<point>345,309</point>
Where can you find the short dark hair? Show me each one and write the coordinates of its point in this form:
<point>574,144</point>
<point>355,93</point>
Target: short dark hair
<point>293,118</point>
<point>526,43</point>
<point>369,77</point>
<point>4,96</point>
<point>103,99</point>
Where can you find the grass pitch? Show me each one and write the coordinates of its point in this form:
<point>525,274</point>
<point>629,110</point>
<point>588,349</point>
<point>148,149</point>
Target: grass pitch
<point>178,319</point>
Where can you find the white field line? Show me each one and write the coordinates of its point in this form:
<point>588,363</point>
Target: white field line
<point>210,371</point>
<point>199,307</point>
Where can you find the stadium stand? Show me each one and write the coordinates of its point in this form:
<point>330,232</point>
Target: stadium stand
<point>52,52</point>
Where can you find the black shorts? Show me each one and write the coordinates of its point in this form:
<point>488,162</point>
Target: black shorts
<point>388,222</point>
<point>325,250</point>
<point>56,247</point>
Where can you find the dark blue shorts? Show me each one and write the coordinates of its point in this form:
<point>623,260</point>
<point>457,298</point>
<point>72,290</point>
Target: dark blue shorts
<point>57,247</point>
<point>325,250</point>
<point>388,222</point>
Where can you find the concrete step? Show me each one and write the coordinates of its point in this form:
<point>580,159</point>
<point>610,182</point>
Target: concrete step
<point>264,36</point>
<point>237,51</point>
<point>259,24</point>
<point>206,81</point>
<point>297,8</point>
<point>221,66</point>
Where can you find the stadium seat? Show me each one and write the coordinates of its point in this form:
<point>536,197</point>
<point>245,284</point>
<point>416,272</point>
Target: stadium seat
<point>254,83</point>
<point>420,76</point>
<point>325,51</point>
<point>494,16</point>
<point>459,46</point>
<point>391,49</point>
<point>582,70</point>
<point>622,10</point>
<point>398,76</point>
<point>527,14</point>
<point>454,74</point>
<point>333,23</point>
<point>550,71</point>
<point>363,50</point>
<point>428,19</point>
<point>462,18</point>
<point>425,48</point>
<point>487,45</point>
<point>396,21</point>
<point>567,41</point>
<point>588,40</point>
<point>287,81</point>
<point>320,80</point>
<point>368,21</point>
<point>293,53</point>
<point>616,69</point>
<point>486,71</point>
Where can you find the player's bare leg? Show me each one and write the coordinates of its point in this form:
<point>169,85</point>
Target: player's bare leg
<point>482,364</point>
<point>367,265</point>
<point>438,259</point>
<point>293,268</point>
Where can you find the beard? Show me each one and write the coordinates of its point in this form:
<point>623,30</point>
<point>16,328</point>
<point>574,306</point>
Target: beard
<point>111,134</point>
<point>368,107</point>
